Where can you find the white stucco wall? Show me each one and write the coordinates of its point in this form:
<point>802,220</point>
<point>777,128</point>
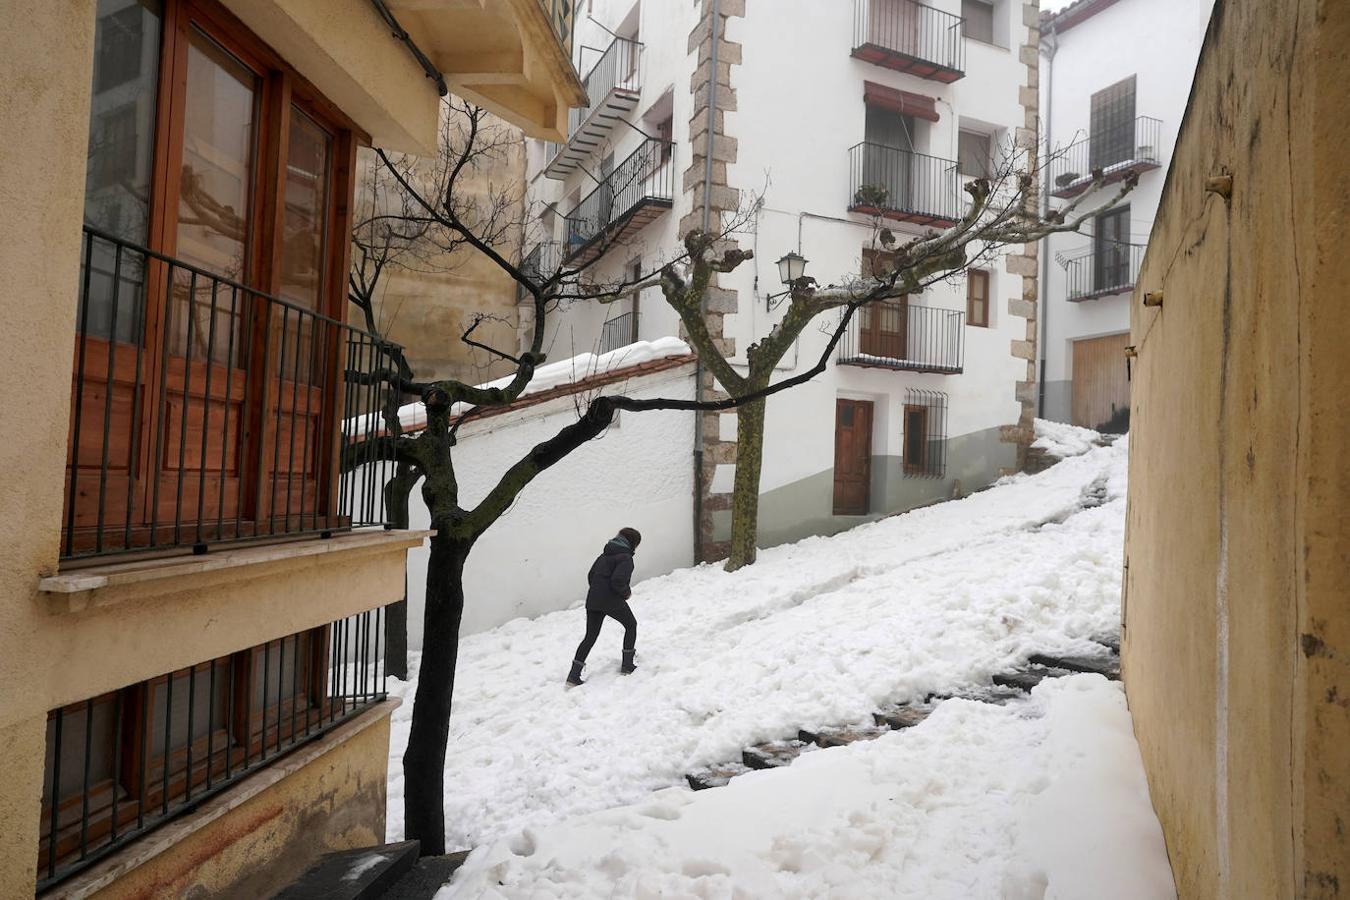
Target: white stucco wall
<point>1157,41</point>
<point>534,559</point>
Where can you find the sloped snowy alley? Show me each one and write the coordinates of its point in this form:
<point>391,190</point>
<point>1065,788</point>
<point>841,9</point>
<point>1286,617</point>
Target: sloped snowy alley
<point>583,792</point>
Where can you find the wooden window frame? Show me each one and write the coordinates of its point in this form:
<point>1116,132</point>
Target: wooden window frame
<point>242,739</point>
<point>974,277</point>
<point>279,89</point>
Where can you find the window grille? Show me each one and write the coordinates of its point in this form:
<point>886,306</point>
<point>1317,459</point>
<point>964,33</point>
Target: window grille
<point>924,434</point>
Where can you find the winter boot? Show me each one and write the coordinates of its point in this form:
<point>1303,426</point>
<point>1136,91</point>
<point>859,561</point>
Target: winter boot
<point>628,668</point>
<point>574,677</point>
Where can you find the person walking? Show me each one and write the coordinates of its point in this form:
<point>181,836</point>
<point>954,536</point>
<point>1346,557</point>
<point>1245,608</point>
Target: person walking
<point>610,588</point>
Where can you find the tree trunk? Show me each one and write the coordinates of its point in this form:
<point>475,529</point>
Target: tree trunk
<point>396,494</point>
<point>424,760</point>
<point>745,492</point>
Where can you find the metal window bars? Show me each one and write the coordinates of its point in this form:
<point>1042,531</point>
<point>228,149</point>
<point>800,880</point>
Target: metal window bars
<point>909,37</point>
<point>904,185</point>
<point>648,174</point>
<point>905,337</point>
<point>924,434</point>
<point>204,411</point>
<point>124,763</point>
<point>1132,146</point>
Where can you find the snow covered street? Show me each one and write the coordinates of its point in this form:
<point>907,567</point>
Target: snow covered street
<point>977,801</point>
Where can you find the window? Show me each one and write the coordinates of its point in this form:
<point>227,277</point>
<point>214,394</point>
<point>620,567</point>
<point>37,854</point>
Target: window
<point>1111,249</point>
<point>978,20</point>
<point>119,763</point>
<point>973,154</point>
<point>924,442</point>
<point>977,298</point>
<point>1111,126</point>
<point>218,392</point>
<point>883,329</point>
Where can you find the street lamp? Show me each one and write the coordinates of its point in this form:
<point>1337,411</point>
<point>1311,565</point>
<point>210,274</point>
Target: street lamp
<point>791,268</point>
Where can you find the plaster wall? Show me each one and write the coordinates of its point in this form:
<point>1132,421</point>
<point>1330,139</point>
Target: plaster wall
<point>534,560</point>
<point>1157,41</point>
<point>1237,635</point>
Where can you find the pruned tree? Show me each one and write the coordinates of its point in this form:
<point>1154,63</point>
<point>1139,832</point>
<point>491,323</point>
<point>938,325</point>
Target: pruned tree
<point>428,456</point>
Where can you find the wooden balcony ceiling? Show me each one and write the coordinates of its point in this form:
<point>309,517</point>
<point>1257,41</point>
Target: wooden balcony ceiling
<point>621,230</point>
<point>1113,174</point>
<point>903,215</point>
<point>903,62</point>
<point>594,129</point>
<point>500,54</point>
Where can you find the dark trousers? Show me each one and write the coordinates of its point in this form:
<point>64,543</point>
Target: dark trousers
<point>595,618</point>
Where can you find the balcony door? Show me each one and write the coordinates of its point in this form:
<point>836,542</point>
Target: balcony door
<point>889,159</point>
<point>199,403</point>
<point>1111,126</point>
<point>895,25</point>
<point>1111,250</point>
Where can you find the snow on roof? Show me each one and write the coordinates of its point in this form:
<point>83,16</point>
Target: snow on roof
<point>565,376</point>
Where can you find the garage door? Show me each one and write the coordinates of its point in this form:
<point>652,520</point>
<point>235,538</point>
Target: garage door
<point>1101,388</point>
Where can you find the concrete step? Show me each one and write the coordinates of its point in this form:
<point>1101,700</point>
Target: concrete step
<point>772,755</point>
<point>715,775</point>
<point>1026,678</point>
<point>998,695</point>
<point>363,874</point>
<point>1107,664</point>
<point>841,737</point>
<point>903,716</point>
<point>427,877</point>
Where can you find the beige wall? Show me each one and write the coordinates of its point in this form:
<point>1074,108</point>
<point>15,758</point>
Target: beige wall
<point>1237,638</point>
<point>426,305</point>
<point>50,651</point>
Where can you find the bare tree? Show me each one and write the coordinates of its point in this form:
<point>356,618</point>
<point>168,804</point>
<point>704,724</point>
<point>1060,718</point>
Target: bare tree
<point>428,456</point>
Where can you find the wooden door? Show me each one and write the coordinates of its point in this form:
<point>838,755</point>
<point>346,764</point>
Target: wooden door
<point>884,329</point>
<point>852,457</point>
<point>1100,388</point>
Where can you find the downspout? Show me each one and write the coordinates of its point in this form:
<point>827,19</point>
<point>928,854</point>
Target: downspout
<point>1048,48</point>
<point>699,485</point>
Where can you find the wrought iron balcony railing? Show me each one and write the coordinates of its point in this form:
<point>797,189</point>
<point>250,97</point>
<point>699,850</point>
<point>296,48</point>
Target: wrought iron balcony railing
<point>540,263</point>
<point>1134,146</point>
<point>613,86</point>
<point>619,331</point>
<point>902,185</point>
<point>126,762</point>
<point>1108,268</point>
<point>909,37</point>
<point>204,411</point>
<point>638,190</point>
<point>905,337</point>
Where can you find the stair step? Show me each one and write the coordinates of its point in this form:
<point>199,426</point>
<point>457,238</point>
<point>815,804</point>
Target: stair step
<point>997,694</point>
<point>841,737</point>
<point>1109,640</point>
<point>427,877</point>
<point>363,874</point>
<point>772,755</point>
<point>715,776</point>
<point>1107,664</point>
<point>904,716</point>
<point>1027,678</point>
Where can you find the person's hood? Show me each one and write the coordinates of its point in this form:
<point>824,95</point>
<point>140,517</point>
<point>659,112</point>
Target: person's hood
<point>617,546</point>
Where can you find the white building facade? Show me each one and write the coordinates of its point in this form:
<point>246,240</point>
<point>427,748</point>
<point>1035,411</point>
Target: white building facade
<point>825,116</point>
<point>1115,76</point>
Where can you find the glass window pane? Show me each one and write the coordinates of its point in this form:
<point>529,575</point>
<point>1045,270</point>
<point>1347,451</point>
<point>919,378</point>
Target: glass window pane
<point>308,158</point>
<point>215,193</point>
<point>121,158</point>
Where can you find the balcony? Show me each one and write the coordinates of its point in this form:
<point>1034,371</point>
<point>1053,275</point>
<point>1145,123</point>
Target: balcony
<point>1132,147</point>
<point>1099,271</point>
<point>618,332</point>
<point>539,264</point>
<point>215,417</point>
<point>612,89</point>
<point>904,186</point>
<point>909,37</point>
<point>639,190</point>
<point>512,57</point>
<point>905,337</point>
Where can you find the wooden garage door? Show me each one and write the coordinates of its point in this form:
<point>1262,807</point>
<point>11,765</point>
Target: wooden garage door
<point>1101,388</point>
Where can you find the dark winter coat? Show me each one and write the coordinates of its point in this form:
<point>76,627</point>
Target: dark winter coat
<point>610,576</point>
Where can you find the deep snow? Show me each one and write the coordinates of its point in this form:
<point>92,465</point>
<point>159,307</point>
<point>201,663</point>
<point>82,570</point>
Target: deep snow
<point>821,632</point>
